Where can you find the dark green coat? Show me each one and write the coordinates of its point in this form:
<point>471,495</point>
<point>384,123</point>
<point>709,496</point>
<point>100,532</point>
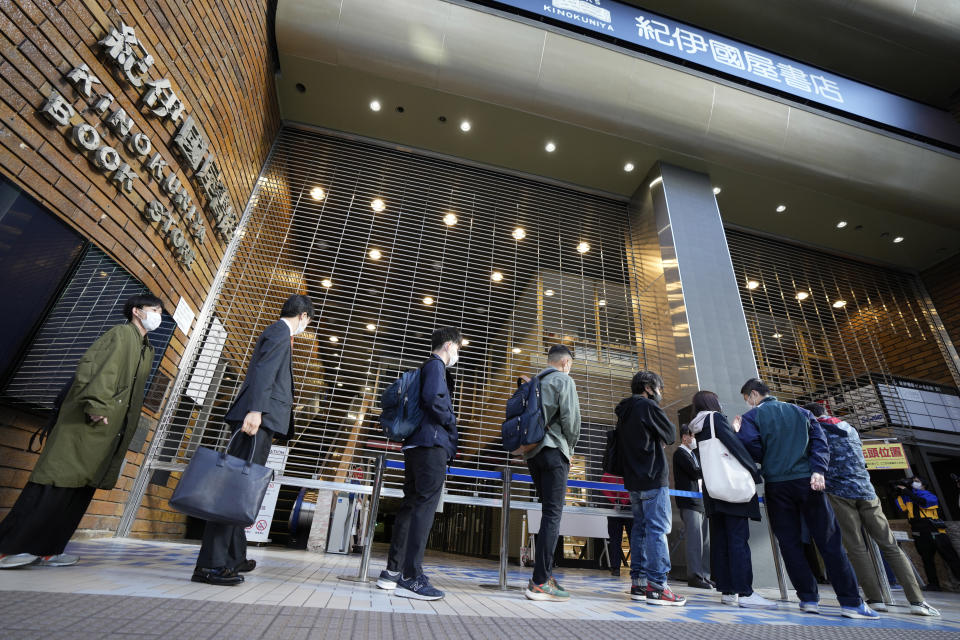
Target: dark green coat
<point>110,381</point>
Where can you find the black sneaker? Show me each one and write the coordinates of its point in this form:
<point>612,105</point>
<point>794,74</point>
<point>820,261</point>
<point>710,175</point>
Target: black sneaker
<point>664,597</point>
<point>388,579</point>
<point>699,583</point>
<point>638,593</point>
<point>418,588</point>
<point>221,576</point>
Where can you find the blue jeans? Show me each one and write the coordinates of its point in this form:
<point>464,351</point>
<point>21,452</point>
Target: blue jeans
<point>649,553</point>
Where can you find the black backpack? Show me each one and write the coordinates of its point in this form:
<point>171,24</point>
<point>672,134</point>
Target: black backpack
<point>612,456</point>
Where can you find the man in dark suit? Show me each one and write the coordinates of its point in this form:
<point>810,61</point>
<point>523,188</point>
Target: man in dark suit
<point>686,477</point>
<point>263,409</point>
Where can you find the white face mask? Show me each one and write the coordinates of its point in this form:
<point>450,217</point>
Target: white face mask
<point>151,321</point>
<point>917,485</point>
<point>301,327</point>
<point>452,358</point>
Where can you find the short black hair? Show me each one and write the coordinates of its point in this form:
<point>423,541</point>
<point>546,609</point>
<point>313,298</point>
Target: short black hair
<point>139,302</point>
<point>705,401</point>
<point>815,408</point>
<point>295,305</point>
<point>685,430</point>
<point>755,384</point>
<point>443,335</point>
<point>643,379</point>
<point>558,352</point>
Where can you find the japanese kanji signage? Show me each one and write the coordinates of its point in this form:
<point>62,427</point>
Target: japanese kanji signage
<point>112,147</point>
<point>637,26</point>
<point>885,456</point>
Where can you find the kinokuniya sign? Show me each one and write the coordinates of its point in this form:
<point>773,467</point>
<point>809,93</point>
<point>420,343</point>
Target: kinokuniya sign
<point>182,220</point>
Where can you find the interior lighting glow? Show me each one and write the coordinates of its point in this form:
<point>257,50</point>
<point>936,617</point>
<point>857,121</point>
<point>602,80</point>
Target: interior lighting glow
<point>781,208</point>
<point>334,339</point>
<point>375,254</point>
<point>496,276</point>
<point>465,126</point>
<point>378,205</point>
<point>318,193</point>
<point>898,240</point>
<point>550,147</point>
<point>548,292</point>
<point>841,224</point>
<point>326,283</point>
<point>427,300</point>
<point>519,233</point>
<point>802,295</point>
<point>517,349</point>
<point>374,105</point>
<point>716,191</point>
<point>450,219</point>
<point>628,167</point>
<point>371,327</point>
<point>752,284</point>
<point>839,304</point>
<point>583,247</point>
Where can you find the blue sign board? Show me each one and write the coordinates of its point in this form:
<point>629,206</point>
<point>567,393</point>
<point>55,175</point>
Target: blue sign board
<point>637,26</point>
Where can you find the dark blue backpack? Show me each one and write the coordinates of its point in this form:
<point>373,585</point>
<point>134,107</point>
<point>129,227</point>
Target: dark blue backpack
<point>525,425</point>
<point>400,407</point>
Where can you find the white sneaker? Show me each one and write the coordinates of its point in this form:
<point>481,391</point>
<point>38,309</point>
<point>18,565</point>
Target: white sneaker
<point>810,607</point>
<point>59,560</point>
<point>877,605</point>
<point>15,560</point>
<point>924,609</point>
<point>757,601</point>
<point>729,598</point>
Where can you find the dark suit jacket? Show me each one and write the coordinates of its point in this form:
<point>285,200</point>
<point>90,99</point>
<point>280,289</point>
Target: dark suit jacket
<point>268,385</point>
<point>686,473</point>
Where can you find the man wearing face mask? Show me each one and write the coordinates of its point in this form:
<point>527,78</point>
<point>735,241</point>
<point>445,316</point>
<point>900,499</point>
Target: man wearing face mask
<point>88,443</point>
<point>426,454</point>
<point>262,409</point>
<point>922,509</point>
<point>789,443</point>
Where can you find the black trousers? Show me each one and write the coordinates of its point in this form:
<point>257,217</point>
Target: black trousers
<point>424,471</point>
<point>730,562</point>
<point>225,545</point>
<point>615,529</point>
<point>43,519</point>
<point>549,470</point>
<point>928,545</point>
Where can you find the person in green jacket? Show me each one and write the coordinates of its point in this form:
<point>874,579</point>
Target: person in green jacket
<point>88,443</point>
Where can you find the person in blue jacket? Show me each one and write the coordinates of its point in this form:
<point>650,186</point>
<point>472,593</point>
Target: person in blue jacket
<point>794,455</point>
<point>426,454</point>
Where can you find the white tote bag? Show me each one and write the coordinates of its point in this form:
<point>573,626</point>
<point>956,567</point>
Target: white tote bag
<point>723,475</point>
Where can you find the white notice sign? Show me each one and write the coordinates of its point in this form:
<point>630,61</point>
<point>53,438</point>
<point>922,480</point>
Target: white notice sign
<point>259,531</point>
<point>184,316</point>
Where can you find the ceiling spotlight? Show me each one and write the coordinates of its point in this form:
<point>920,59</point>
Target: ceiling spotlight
<point>519,233</point>
<point>464,342</point>
<point>802,295</point>
<point>496,276</point>
<point>601,303</point>
<point>334,339</point>
<point>450,219</point>
<point>781,208</point>
<point>550,147</point>
<point>841,224</point>
<point>367,389</point>
<point>752,284</point>
<point>326,283</point>
<point>898,240</point>
<point>583,247</point>
<point>317,193</point>
<point>427,300</point>
<point>516,349</point>
<point>378,205</point>
<point>716,191</point>
<point>548,292</point>
<point>374,105</point>
<point>778,335</point>
<point>465,126</point>
<point>375,254</point>
<point>628,167</point>
<point>371,327</point>
<point>339,384</point>
<point>352,416</point>
<point>839,304</point>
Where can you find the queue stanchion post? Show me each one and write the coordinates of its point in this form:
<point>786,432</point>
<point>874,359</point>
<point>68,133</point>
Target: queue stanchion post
<point>502,584</point>
<point>777,558</point>
<point>371,522</point>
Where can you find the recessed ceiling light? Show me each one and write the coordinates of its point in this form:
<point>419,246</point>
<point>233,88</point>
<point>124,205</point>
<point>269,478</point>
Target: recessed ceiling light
<point>374,105</point>
<point>326,283</point>
<point>781,208</point>
<point>548,292</point>
<point>375,254</point>
<point>516,349</point>
<point>550,147</point>
<point>628,167</point>
<point>427,300</point>
<point>752,284</point>
<point>367,389</point>
<point>334,339</point>
<point>716,191</point>
<point>352,416</point>
<point>841,224</point>
<point>778,335</point>
<point>583,247</point>
<point>378,205</point>
<point>496,276</point>
<point>371,327</point>
<point>464,342</point>
<point>450,219</point>
<point>317,193</point>
<point>601,303</point>
<point>898,239</point>
<point>519,233</point>
<point>655,182</point>
<point>465,126</point>
<point>839,304</point>
<point>339,384</point>
<point>802,295</point>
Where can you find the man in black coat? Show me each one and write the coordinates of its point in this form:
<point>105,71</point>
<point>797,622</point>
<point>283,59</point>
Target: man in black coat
<point>263,409</point>
<point>686,477</point>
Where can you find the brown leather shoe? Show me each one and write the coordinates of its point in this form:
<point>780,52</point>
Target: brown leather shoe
<point>220,576</point>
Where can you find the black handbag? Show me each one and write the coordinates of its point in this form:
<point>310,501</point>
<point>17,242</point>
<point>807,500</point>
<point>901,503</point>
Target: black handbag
<point>222,488</point>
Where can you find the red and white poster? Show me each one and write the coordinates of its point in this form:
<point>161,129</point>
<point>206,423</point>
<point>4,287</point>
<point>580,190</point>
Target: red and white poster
<point>259,531</point>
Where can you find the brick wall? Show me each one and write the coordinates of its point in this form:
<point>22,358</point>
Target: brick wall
<point>943,285</point>
<point>219,60</point>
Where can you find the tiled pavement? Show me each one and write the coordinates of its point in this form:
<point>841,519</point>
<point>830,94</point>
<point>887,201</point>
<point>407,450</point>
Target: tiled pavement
<point>137,589</point>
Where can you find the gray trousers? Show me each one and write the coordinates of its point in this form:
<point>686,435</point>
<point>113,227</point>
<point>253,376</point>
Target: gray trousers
<point>697,538</point>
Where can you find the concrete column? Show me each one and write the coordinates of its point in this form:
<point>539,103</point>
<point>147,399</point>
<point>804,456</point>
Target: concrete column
<point>711,342</point>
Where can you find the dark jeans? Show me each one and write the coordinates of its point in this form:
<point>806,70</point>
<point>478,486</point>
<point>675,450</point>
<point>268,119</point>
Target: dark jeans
<point>225,545</point>
<point>424,471</point>
<point>928,545</point>
<point>549,470</point>
<point>615,529</point>
<point>790,502</point>
<point>730,562</point>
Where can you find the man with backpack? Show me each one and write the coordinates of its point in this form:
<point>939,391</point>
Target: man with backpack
<point>643,430</point>
<point>426,453</point>
<point>549,464</point>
